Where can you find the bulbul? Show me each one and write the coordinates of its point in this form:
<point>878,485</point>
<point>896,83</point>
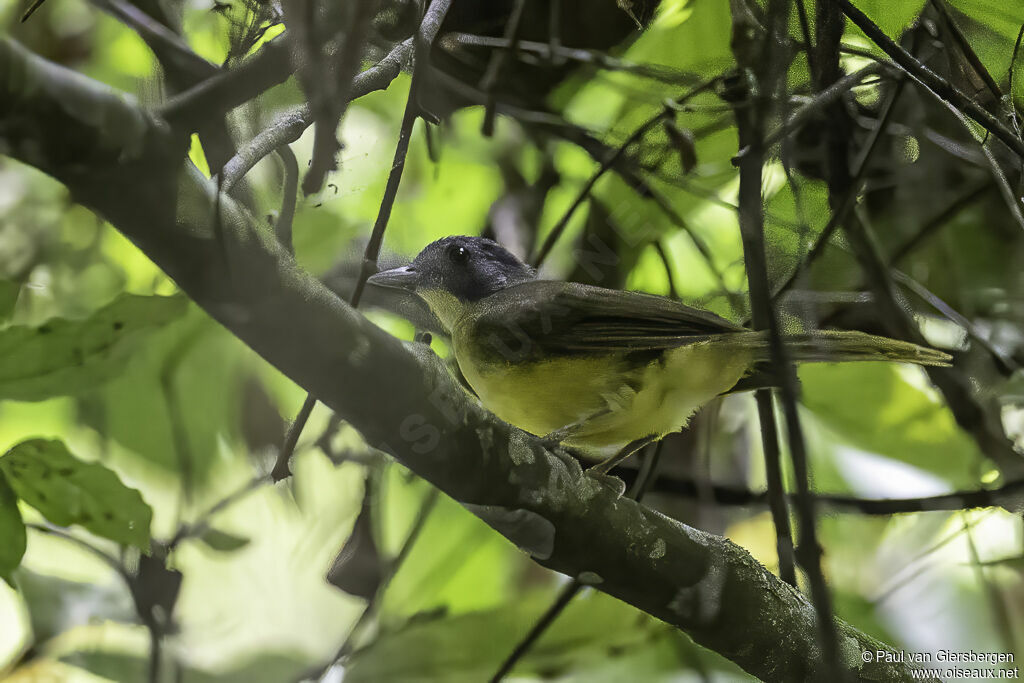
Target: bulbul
<point>601,371</point>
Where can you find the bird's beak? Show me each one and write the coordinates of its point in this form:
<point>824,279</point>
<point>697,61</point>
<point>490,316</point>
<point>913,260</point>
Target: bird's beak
<point>405,277</point>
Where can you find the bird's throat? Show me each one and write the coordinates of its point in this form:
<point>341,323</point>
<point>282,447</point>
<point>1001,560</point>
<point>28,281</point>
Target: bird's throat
<point>443,304</point>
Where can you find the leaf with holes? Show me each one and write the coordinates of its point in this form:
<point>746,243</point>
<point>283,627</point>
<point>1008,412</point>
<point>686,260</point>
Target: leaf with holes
<point>69,491</point>
<point>63,357</point>
<point>12,531</point>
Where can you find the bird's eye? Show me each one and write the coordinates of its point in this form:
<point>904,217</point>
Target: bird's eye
<point>458,255</point>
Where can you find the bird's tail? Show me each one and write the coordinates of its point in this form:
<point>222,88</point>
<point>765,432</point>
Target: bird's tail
<point>840,346</point>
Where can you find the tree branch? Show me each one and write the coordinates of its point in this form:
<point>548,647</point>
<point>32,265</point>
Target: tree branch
<point>400,396</point>
<point>290,125</point>
<point>221,93</point>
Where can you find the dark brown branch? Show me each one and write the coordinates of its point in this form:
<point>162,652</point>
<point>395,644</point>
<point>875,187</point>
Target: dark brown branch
<point>981,422</point>
<point>221,93</point>
<point>805,31</point>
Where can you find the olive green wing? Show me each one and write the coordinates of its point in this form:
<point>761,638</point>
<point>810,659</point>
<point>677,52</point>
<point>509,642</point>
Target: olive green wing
<point>543,318</point>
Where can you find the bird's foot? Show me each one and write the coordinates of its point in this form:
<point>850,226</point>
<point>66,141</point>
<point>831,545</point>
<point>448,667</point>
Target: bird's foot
<point>611,482</point>
<point>553,440</point>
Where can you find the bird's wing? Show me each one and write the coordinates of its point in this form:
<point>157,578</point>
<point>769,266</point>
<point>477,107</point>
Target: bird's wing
<point>544,317</point>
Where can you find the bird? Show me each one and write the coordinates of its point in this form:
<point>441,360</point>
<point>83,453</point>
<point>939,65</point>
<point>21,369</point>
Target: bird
<point>599,371</point>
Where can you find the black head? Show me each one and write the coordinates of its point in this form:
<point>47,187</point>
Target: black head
<point>468,268</point>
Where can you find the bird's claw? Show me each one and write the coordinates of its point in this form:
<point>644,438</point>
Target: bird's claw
<point>553,440</point>
<point>617,486</point>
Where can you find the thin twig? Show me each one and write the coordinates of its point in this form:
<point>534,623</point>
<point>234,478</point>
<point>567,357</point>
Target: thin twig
<point>750,122</point>
<point>36,4</point>
<point>147,618</point>
<point>282,470</point>
<point>166,45</point>
<point>289,196</point>
<point>285,129</point>
<point>1007,496</point>
<point>1013,202</point>
<point>809,550</point>
<point>821,101</point>
<point>997,601</point>
<point>570,591</point>
<point>938,221</point>
<point>645,479</point>
<point>288,127</point>
<point>497,62</point>
<point>179,433</point>
<point>670,274</point>
<point>428,32</point>
<point>554,31</point>
<point>601,60</point>
<point>202,522</point>
<point>967,50</point>
<point>668,109</point>
<point>850,197</point>
<point>429,27</point>
<point>370,610</point>
<point>107,558</point>
<point>776,488</point>
<point>805,31</point>
<point>1007,365</point>
<point>219,94</point>
<point>897,581</point>
<point>930,79</point>
<point>1009,76</point>
<point>329,101</point>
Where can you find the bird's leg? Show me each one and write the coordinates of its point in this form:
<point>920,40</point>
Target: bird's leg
<point>555,438</point>
<point>600,470</point>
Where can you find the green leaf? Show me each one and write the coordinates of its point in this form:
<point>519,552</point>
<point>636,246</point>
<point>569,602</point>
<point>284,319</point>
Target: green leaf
<point>881,408</point>
<point>64,357</point>
<point>68,491</point>
<point>892,16</point>
<point>12,531</point>
<point>471,646</point>
<point>223,541</point>
<point>9,291</point>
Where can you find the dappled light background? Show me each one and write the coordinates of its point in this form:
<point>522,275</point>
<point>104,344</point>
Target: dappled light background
<point>189,414</point>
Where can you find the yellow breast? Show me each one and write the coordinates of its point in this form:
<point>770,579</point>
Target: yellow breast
<point>622,401</point>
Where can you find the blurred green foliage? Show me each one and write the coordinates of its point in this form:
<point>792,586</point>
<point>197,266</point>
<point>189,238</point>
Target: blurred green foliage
<point>144,406</point>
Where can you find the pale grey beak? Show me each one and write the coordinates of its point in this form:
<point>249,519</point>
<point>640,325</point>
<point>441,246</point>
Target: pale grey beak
<point>405,277</point>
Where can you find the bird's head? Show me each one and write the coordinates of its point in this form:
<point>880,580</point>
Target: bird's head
<point>453,272</point>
